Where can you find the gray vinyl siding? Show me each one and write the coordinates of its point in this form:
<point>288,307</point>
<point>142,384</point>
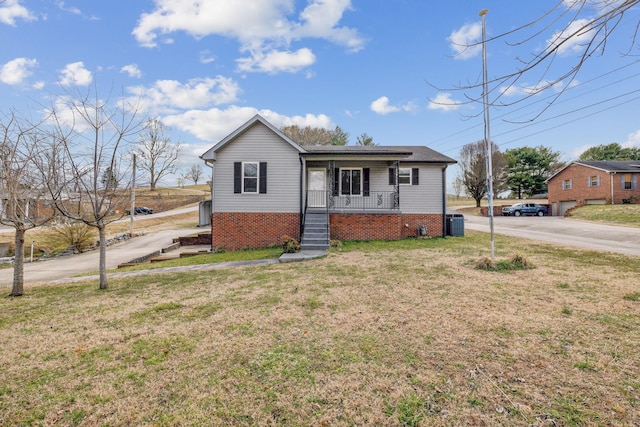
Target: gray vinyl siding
<point>425,198</point>
<point>258,144</point>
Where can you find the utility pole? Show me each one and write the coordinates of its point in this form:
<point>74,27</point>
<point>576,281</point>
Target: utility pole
<point>132,212</point>
<point>487,132</point>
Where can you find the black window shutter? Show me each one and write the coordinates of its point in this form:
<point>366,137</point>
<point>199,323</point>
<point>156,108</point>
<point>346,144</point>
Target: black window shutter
<point>237,177</point>
<point>365,182</point>
<point>415,180</point>
<point>336,182</point>
<point>263,178</point>
<point>392,176</point>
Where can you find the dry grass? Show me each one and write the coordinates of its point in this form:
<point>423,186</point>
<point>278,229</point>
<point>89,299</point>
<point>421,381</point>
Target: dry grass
<point>394,334</point>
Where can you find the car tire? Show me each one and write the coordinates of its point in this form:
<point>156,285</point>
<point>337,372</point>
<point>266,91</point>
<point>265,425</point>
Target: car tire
<point>517,213</point>
<point>540,213</point>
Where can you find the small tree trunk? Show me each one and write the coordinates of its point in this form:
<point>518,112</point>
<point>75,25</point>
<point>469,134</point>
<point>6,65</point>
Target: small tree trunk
<point>103,256</point>
<point>18,264</point>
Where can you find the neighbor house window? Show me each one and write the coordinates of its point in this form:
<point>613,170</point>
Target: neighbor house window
<point>627,182</point>
<point>566,184</point>
<point>351,181</point>
<point>594,181</point>
<point>250,177</point>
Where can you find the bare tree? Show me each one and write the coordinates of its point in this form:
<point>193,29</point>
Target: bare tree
<point>158,156</point>
<point>587,30</point>
<point>195,173</point>
<point>90,137</point>
<point>473,163</point>
<point>457,186</point>
<point>23,203</point>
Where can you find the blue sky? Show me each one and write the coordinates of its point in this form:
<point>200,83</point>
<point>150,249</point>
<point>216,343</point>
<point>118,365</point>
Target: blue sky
<point>374,66</point>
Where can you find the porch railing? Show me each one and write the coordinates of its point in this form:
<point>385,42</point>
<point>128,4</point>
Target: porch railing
<point>376,200</point>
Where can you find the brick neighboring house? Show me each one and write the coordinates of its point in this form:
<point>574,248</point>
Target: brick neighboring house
<point>265,186</point>
<point>594,182</point>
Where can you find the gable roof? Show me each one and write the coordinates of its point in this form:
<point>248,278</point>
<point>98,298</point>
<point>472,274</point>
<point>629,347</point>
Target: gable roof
<point>608,166</point>
<point>405,153</point>
<point>210,154</point>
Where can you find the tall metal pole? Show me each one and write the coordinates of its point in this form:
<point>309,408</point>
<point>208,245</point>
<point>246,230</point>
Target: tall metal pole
<point>487,132</point>
<point>133,196</point>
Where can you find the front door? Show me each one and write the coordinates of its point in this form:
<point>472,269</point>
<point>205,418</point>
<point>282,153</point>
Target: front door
<point>317,188</point>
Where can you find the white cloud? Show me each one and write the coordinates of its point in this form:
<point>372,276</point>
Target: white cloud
<point>206,57</point>
<point>265,30</point>
<point>444,102</point>
<point>165,96</point>
<point>39,85</point>
<point>381,106</point>
<point>633,140</point>
<point>277,61</point>
<point>215,124</point>
<point>467,41</point>
<point>17,70</point>
<point>10,10</point>
<point>71,9</point>
<point>132,70</point>
<point>321,19</point>
<point>571,40</point>
<point>75,74</point>
<point>575,152</point>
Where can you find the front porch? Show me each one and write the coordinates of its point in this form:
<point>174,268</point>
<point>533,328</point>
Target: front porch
<point>381,201</point>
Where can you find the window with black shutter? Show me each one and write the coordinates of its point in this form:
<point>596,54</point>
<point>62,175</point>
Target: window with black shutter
<point>250,177</point>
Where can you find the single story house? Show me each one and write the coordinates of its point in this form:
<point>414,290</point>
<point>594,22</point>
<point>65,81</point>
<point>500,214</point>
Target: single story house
<point>594,182</point>
<point>266,186</point>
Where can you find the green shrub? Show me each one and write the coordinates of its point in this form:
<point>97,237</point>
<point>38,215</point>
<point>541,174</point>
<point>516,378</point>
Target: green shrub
<point>517,262</point>
<point>289,245</point>
<point>335,244</point>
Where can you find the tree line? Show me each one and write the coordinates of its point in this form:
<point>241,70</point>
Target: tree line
<point>522,171</point>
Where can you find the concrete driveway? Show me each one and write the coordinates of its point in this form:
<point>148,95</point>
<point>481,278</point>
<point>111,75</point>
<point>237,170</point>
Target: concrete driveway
<point>560,230</point>
<point>69,266</point>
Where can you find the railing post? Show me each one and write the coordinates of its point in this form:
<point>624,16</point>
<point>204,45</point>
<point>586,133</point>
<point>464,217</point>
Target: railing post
<point>396,186</point>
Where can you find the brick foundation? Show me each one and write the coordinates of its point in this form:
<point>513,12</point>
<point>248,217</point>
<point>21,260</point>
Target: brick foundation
<point>240,230</point>
<point>200,239</point>
<point>236,230</point>
<point>372,226</point>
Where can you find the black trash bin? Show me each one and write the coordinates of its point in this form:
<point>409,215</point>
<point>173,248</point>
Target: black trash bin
<point>454,225</point>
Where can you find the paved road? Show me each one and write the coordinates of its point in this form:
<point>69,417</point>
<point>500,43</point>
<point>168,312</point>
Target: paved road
<point>554,229</point>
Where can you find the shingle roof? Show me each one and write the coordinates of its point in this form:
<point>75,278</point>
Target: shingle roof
<point>408,153</point>
<point>613,165</point>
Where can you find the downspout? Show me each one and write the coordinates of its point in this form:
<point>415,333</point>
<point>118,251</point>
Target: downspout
<point>301,217</point>
<point>210,164</point>
<point>444,201</point>
<point>611,175</point>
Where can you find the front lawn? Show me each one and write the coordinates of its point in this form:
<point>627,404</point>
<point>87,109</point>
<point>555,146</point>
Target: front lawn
<point>388,333</point>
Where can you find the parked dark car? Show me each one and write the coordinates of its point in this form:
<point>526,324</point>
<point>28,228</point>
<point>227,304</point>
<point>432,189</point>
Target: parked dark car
<point>143,210</point>
<point>524,209</point>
